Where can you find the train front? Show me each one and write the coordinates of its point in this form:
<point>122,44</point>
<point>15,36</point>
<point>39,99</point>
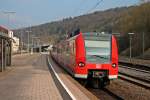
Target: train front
<point>101,58</point>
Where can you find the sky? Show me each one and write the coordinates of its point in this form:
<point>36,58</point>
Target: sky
<point>35,12</point>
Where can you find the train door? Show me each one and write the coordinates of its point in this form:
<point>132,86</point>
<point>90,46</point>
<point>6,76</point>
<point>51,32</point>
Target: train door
<point>72,54</point>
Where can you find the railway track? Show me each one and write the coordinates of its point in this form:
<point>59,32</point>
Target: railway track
<point>136,69</point>
<point>135,80</point>
<point>140,81</point>
<point>137,66</point>
<point>134,77</point>
<point>109,94</point>
<point>115,96</point>
<point>105,94</point>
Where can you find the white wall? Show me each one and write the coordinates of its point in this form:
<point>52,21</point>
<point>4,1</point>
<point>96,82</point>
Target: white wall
<point>15,44</point>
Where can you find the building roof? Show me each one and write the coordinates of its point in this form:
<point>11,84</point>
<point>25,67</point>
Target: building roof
<point>3,29</point>
<point>4,32</point>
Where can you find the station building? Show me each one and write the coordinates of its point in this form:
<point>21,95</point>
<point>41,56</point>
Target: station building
<point>15,44</point>
<point>5,47</point>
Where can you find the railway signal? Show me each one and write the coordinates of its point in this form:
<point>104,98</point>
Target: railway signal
<point>130,34</point>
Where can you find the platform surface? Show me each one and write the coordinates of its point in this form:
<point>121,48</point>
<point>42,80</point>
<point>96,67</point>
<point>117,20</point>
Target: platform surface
<point>29,79</point>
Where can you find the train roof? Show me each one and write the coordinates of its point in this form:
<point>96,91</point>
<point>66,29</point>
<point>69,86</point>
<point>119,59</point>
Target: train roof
<point>97,36</point>
<point>91,35</point>
<point>74,33</point>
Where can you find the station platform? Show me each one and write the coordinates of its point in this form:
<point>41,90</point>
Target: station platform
<point>28,79</point>
<point>31,78</point>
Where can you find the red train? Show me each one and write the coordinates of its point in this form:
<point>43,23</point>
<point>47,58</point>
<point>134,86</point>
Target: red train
<point>91,57</point>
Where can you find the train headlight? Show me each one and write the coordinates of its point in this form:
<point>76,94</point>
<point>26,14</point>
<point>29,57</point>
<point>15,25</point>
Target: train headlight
<point>114,65</point>
<point>81,64</point>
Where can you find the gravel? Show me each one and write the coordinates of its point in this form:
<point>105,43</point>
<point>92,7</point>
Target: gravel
<point>129,91</point>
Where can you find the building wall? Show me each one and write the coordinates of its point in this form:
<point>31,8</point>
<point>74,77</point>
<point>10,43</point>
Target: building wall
<point>10,34</point>
<point>15,42</point>
<point>15,45</point>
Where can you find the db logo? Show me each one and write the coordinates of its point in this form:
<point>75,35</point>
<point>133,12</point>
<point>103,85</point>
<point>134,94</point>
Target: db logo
<point>98,66</point>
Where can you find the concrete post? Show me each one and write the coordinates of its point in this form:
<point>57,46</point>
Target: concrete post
<point>5,56</point>
<point>10,52</point>
<point>2,57</point>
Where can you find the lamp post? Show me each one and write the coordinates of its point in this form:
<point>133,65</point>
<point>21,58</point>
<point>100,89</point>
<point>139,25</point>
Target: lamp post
<point>143,43</point>
<point>28,40</point>
<point>21,42</point>
<point>39,44</point>
<point>130,34</point>
<point>33,37</point>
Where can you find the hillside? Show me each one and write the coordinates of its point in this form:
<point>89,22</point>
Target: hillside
<point>97,21</point>
<point>136,20</point>
<point>118,20</point>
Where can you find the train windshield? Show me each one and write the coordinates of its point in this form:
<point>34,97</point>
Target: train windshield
<point>98,49</point>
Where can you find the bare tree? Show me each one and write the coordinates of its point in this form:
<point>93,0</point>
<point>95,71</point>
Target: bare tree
<point>144,1</point>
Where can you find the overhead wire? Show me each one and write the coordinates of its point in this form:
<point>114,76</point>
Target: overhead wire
<point>97,4</point>
<point>82,3</point>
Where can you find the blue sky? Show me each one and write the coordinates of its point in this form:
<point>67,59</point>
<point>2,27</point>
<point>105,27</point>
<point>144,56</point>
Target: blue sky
<point>34,12</point>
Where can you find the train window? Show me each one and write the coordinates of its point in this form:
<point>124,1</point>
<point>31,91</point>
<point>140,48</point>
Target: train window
<point>68,49</point>
<point>98,51</point>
